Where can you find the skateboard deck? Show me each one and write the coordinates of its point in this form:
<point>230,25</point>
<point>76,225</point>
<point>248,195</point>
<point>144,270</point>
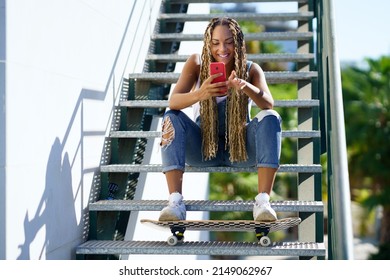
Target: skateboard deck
<point>260,228</point>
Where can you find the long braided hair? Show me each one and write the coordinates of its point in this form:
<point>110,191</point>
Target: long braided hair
<point>237,101</point>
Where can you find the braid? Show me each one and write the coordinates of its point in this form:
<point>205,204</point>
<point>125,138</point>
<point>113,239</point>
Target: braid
<point>237,102</point>
<point>208,108</point>
<point>237,105</point>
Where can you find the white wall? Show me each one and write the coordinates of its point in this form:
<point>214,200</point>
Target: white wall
<point>2,129</point>
<point>60,74</point>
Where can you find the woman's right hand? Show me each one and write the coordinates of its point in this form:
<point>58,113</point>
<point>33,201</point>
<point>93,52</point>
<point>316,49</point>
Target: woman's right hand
<point>210,89</point>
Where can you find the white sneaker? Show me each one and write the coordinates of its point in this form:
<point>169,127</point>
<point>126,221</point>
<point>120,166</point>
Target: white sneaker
<point>175,211</point>
<point>262,211</point>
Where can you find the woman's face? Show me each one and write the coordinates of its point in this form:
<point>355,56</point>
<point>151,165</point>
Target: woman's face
<point>222,44</point>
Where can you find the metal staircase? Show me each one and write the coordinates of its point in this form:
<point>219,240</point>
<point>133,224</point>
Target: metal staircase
<point>145,96</point>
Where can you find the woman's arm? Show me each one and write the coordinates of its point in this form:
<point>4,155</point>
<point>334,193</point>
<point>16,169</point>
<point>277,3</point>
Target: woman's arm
<point>256,89</point>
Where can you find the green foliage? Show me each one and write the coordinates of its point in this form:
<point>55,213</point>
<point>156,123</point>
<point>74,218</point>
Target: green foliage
<point>367,114</point>
<point>383,253</point>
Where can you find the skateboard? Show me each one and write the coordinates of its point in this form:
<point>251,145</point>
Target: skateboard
<point>260,228</point>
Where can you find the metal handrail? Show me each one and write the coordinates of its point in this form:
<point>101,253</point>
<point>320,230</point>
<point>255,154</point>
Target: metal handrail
<point>340,233</point>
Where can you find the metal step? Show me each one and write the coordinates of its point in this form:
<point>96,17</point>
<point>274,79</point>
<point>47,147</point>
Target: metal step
<point>135,168</point>
<point>303,103</point>
<point>231,1</point>
<point>308,249</point>
<point>263,36</point>
<point>258,17</point>
<point>272,77</point>
<point>154,134</point>
<point>205,205</point>
<point>259,58</point>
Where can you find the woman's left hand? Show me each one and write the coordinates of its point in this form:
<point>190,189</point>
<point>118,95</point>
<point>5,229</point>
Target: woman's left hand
<point>235,82</point>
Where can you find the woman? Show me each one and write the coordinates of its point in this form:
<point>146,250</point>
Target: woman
<point>222,133</point>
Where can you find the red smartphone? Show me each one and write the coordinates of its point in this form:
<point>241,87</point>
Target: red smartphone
<point>218,67</point>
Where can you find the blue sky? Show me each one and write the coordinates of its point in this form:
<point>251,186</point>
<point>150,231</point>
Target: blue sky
<point>362,28</point>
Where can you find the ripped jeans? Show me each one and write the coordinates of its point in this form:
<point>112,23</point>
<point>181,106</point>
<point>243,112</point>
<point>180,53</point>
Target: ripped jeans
<point>181,142</point>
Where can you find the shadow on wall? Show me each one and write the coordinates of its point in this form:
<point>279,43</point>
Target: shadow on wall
<point>56,200</point>
<point>56,213</point>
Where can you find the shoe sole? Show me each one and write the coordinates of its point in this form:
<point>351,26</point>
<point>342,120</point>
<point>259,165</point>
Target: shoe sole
<point>266,217</point>
<point>168,217</point>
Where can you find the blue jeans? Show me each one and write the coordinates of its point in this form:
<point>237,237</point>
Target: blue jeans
<point>183,145</point>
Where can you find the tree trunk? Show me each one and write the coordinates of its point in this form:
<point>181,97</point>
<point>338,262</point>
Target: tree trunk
<point>385,226</point>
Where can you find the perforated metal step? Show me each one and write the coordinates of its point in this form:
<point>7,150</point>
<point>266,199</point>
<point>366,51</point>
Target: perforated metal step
<point>231,1</point>
<point>259,58</point>
<point>305,103</point>
<point>264,17</point>
<point>202,248</point>
<point>287,168</point>
<point>205,205</point>
<point>265,36</point>
<point>272,77</point>
<point>155,134</point>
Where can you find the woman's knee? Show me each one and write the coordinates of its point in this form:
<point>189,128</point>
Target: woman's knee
<point>168,129</point>
<point>171,121</point>
<point>167,132</point>
<point>265,113</point>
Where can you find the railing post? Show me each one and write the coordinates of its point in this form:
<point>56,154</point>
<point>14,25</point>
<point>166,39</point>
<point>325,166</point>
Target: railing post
<point>339,210</point>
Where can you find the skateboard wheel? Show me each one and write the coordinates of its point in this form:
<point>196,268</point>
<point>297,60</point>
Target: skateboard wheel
<point>172,240</point>
<point>265,241</point>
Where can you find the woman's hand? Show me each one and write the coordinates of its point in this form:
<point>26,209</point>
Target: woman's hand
<point>235,82</point>
<point>210,89</point>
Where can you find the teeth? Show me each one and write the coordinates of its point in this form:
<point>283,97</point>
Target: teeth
<point>223,55</point>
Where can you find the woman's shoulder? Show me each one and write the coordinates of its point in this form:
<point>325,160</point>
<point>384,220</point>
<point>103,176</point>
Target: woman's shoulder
<point>194,59</point>
<point>193,63</point>
<point>255,72</point>
<point>254,68</point>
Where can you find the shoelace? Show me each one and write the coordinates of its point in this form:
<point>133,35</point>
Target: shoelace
<point>263,204</point>
<point>175,203</point>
